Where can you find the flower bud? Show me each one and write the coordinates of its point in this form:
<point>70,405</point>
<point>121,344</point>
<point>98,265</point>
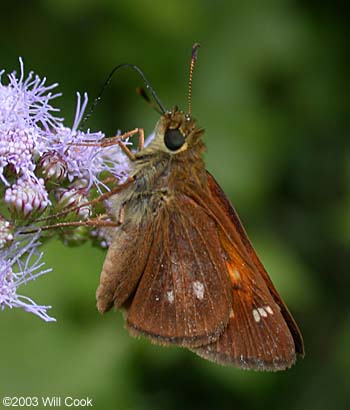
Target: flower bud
<point>6,232</point>
<point>71,198</point>
<point>26,197</point>
<point>53,167</point>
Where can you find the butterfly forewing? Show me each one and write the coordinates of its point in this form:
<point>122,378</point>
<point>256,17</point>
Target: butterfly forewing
<point>184,295</point>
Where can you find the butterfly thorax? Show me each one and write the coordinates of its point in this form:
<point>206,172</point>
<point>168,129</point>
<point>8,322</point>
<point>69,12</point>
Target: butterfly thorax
<point>165,168</point>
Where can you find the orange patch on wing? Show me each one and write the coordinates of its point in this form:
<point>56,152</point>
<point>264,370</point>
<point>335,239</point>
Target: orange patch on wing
<point>234,273</point>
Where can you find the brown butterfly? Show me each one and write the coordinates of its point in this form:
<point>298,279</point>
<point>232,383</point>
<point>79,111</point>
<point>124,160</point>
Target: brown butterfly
<point>181,263</point>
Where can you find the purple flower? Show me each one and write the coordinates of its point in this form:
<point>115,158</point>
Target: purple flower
<point>16,148</point>
<point>27,196</point>
<point>29,100</point>
<point>46,171</point>
<point>53,167</point>
<point>72,197</point>
<point>19,264</point>
<point>82,152</point>
<point>6,232</point>
<point>26,119</point>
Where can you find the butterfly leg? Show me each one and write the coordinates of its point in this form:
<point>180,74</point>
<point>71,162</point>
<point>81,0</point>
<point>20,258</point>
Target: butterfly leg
<point>106,142</point>
<point>117,140</point>
<point>109,141</point>
<point>140,146</point>
<point>141,140</point>
<point>98,222</point>
<point>95,201</point>
<point>121,215</point>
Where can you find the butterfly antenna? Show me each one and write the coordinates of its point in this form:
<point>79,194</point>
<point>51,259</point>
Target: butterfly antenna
<point>142,93</point>
<point>109,79</point>
<point>194,56</point>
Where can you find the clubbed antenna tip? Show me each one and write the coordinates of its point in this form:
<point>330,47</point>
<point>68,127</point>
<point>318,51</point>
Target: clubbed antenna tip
<point>194,56</point>
<point>195,48</point>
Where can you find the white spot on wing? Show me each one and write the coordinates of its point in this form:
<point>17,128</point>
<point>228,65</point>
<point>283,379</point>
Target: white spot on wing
<point>262,312</point>
<point>256,315</point>
<point>269,310</point>
<point>170,296</point>
<point>198,289</point>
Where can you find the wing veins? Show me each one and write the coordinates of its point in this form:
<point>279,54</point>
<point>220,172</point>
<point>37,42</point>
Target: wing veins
<point>200,269</point>
<point>210,255</point>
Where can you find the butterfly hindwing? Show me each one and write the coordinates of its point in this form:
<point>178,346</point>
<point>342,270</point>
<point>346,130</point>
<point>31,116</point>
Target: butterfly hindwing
<point>257,336</point>
<point>124,264</point>
<point>261,333</point>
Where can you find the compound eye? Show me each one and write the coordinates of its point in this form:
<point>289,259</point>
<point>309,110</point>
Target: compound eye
<point>173,139</point>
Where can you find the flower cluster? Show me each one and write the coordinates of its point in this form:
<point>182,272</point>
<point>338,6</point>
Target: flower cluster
<point>48,172</point>
<point>20,263</point>
<point>26,120</point>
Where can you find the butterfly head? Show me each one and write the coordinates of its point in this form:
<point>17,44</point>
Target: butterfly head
<point>176,132</point>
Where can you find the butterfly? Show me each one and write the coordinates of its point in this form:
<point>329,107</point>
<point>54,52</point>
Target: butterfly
<point>180,263</point>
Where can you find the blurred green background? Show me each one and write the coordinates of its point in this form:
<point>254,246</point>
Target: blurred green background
<point>269,89</point>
